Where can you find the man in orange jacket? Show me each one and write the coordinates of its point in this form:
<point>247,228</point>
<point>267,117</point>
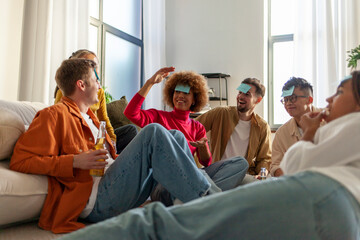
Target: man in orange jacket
<point>60,141</point>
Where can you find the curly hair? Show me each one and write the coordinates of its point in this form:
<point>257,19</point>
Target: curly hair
<point>197,84</point>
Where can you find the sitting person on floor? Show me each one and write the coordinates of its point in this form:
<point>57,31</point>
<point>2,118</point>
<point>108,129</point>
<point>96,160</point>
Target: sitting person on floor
<point>59,144</point>
<point>317,198</point>
<point>297,98</point>
<point>186,91</point>
<point>238,131</point>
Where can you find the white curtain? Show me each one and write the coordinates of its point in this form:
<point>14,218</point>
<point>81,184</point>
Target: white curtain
<point>325,30</point>
<point>52,30</point>
<point>154,48</point>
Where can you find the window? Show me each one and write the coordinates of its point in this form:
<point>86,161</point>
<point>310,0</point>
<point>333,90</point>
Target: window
<point>281,49</point>
<point>115,34</point>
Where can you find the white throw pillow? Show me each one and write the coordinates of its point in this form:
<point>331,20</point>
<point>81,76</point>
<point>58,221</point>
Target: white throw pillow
<point>11,127</point>
<point>25,110</point>
<point>22,196</point>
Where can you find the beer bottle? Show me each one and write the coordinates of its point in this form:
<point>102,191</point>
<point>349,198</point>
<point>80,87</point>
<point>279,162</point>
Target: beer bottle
<point>100,144</point>
<point>263,174</point>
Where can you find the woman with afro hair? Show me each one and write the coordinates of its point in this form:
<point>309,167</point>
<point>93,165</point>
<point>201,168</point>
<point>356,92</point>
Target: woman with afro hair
<point>186,92</point>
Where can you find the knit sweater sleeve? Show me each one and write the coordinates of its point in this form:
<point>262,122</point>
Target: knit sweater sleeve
<point>139,116</point>
<point>101,113</point>
<point>58,96</point>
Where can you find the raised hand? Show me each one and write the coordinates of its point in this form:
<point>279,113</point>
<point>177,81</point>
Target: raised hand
<point>161,74</point>
<point>156,78</point>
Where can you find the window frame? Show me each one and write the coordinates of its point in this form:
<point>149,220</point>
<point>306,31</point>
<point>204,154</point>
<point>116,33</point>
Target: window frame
<point>104,28</point>
<point>271,41</point>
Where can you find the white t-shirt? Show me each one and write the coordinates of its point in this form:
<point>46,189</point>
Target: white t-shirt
<point>238,141</point>
<point>335,153</point>
<point>91,202</point>
<point>301,131</point>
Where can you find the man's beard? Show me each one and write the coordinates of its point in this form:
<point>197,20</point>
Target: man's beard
<point>242,109</point>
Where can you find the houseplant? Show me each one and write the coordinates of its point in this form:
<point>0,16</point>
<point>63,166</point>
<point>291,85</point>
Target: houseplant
<point>353,57</point>
<point>108,96</point>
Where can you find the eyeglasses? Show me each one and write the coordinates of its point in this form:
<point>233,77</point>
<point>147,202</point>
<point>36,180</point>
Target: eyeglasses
<point>292,99</point>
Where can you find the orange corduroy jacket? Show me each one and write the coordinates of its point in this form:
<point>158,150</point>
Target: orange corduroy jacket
<point>99,109</point>
<point>56,134</point>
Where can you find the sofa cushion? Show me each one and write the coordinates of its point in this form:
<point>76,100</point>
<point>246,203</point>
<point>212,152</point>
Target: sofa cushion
<point>115,111</point>
<point>15,114</point>
<point>11,127</point>
<point>21,195</point>
<point>25,110</point>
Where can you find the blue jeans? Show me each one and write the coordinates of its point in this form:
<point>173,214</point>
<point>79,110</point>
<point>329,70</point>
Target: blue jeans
<point>228,173</point>
<point>222,175</point>
<point>154,155</point>
<point>124,135</point>
<point>307,205</point>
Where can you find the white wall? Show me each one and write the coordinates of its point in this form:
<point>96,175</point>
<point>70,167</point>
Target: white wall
<point>201,35</point>
<point>11,15</point>
<point>224,36</point>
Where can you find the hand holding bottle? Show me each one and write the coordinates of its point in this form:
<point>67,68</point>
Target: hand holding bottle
<point>100,145</point>
<point>90,159</point>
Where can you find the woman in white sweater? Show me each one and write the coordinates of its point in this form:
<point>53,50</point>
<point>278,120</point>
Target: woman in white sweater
<point>317,198</point>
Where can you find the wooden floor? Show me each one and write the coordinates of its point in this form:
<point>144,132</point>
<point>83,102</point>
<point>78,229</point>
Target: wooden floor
<point>27,231</point>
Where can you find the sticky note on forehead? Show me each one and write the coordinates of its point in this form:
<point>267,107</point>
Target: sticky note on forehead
<point>244,88</point>
<point>182,88</point>
<point>347,78</point>
<point>288,92</point>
